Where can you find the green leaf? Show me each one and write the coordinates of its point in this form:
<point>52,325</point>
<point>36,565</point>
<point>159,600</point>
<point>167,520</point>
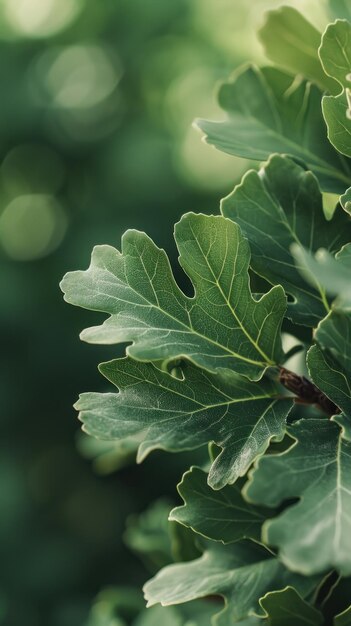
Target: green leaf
<point>343,619</point>
<point>242,573</point>
<point>220,515</point>
<point>270,207</point>
<point>148,534</point>
<point>287,608</point>
<point>167,616</point>
<point>338,599</point>
<point>222,326</point>
<point>115,606</point>
<point>329,364</point>
<point>335,55</point>
<point>313,535</point>
<point>331,273</point>
<point>330,377</point>
<point>270,111</point>
<point>340,8</point>
<point>198,613</point>
<point>335,51</point>
<point>108,456</point>
<point>238,415</point>
<point>345,201</point>
<point>291,42</point>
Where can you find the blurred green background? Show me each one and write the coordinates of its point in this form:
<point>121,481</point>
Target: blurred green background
<point>97,102</point>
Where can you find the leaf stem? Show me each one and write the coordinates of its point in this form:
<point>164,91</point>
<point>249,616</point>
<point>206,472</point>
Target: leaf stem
<point>306,391</point>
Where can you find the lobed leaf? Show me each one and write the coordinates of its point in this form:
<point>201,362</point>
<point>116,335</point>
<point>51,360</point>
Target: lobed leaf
<point>221,327</point>
<point>291,42</point>
<point>277,207</point>
<point>287,608</point>
<point>313,535</point>
<point>271,111</point>
<point>220,515</point>
<point>238,415</point>
<point>335,55</point>
<point>242,573</point>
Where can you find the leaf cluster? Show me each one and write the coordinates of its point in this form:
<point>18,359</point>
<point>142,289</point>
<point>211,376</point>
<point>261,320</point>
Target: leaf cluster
<point>270,512</point>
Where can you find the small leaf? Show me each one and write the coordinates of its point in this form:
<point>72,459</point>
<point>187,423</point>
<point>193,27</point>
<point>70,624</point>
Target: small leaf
<point>345,201</point>
<point>271,111</point>
<point>238,415</point>
<point>287,608</point>
<point>242,573</point>
<point>270,207</point>
<point>220,515</point>
<point>335,55</point>
<point>222,326</point>
<point>291,42</point>
<point>313,535</point>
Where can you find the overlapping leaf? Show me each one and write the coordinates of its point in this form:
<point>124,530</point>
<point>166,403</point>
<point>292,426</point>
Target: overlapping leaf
<point>313,535</point>
<point>329,272</point>
<point>330,364</point>
<point>220,515</point>
<point>242,573</point>
<point>222,326</point>
<point>287,608</point>
<point>238,415</point>
<point>335,54</point>
<point>276,207</point>
<point>290,41</point>
<point>271,111</point>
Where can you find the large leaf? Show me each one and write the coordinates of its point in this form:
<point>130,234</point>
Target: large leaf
<point>335,54</point>
<point>290,41</point>
<point>222,326</point>
<point>270,111</point>
<point>242,573</point>
<point>276,207</point>
<point>313,535</point>
<point>287,608</point>
<point>238,415</point>
<point>330,272</point>
<point>220,515</point>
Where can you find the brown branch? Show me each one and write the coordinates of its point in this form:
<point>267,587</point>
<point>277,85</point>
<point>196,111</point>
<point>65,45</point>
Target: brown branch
<point>306,391</point>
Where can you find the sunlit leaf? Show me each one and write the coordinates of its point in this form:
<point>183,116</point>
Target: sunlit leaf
<point>271,111</point>
<point>222,326</point>
<point>290,41</point>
